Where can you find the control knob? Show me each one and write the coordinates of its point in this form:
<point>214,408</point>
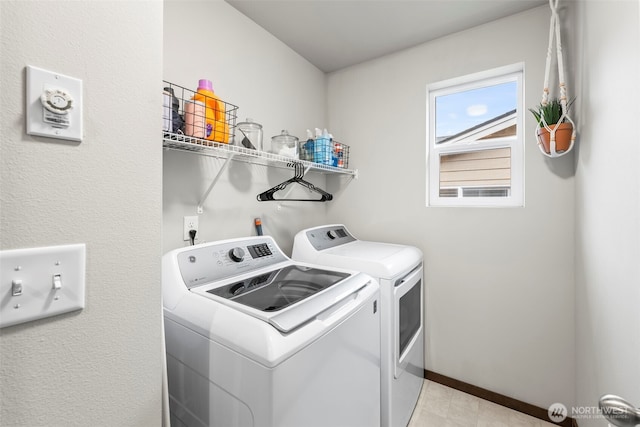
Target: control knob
<point>236,254</point>
<point>332,234</point>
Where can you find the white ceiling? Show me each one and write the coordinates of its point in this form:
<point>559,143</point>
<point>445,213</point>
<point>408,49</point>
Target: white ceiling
<point>333,34</point>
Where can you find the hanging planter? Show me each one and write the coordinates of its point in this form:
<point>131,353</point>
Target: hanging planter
<point>555,135</point>
<point>556,131</point>
<point>562,133</point>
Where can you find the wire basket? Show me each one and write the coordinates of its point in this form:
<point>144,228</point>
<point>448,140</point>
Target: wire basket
<point>326,152</point>
<point>204,118</point>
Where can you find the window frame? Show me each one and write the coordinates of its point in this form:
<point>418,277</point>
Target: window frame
<point>486,78</point>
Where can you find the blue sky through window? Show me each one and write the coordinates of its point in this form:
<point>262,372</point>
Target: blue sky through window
<point>463,110</point>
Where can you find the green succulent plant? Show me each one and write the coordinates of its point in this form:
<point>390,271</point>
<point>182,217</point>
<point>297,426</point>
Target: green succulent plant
<point>550,112</point>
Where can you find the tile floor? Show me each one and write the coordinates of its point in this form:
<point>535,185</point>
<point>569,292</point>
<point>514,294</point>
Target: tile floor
<point>441,406</point>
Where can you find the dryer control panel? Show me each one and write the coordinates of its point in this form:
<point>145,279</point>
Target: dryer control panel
<point>329,236</point>
<point>216,261</point>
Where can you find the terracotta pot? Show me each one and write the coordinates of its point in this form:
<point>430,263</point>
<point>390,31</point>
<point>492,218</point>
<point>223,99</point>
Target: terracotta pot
<point>563,137</point>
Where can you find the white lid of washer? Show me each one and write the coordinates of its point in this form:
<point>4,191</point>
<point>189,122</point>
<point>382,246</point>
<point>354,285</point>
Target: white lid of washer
<point>378,259</point>
<point>382,260</point>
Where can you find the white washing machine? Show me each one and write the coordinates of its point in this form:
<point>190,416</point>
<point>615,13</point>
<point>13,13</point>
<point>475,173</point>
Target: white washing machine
<point>399,271</point>
<point>255,339</point>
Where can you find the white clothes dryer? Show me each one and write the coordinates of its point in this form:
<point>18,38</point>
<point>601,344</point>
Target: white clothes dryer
<point>399,270</point>
<point>254,339</point>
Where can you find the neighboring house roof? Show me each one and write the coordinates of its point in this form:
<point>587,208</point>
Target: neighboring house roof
<point>492,128</point>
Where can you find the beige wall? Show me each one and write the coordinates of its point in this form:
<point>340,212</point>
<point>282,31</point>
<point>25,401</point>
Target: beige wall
<point>499,281</point>
<point>100,366</point>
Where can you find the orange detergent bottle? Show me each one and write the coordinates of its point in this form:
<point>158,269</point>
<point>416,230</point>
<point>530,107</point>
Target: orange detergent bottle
<point>216,127</point>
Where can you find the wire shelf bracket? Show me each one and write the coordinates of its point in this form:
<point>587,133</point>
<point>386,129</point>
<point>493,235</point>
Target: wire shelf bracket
<point>204,197</point>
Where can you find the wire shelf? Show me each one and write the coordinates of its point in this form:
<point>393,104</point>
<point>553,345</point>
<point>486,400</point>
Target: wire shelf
<point>180,142</point>
<point>208,127</point>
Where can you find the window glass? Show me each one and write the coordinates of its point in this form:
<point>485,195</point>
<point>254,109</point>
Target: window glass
<point>475,140</point>
<point>481,109</point>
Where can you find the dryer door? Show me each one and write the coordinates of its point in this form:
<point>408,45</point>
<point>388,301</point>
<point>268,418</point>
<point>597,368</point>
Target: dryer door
<point>408,323</point>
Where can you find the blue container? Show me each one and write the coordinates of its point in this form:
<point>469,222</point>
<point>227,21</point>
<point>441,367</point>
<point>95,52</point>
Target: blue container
<point>322,151</point>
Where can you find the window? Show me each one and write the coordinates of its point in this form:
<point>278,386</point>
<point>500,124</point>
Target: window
<point>475,140</point>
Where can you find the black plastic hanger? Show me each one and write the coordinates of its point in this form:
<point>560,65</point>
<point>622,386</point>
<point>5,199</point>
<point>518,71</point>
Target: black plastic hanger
<point>298,178</point>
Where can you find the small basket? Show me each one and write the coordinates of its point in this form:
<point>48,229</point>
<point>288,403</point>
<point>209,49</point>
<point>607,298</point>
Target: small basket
<point>326,152</point>
<point>183,116</point>
<point>340,154</point>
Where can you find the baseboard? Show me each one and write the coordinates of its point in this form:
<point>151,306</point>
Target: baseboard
<point>516,405</point>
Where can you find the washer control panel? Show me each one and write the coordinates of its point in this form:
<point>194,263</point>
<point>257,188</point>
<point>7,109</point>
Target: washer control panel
<point>329,236</point>
<point>216,261</point>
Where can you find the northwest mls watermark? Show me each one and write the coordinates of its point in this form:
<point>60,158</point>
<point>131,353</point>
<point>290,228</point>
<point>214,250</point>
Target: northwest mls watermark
<point>558,412</point>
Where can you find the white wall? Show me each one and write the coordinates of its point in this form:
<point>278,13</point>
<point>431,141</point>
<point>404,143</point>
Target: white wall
<point>499,282</point>
<point>272,85</point>
<point>100,366</point>
<point>608,204</point>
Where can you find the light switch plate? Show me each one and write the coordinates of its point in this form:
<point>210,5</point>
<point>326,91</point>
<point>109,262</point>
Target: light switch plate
<point>41,282</point>
<point>70,126</point>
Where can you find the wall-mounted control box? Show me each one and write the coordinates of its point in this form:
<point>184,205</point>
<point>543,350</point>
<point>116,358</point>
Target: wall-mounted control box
<point>54,105</point>
<point>41,282</point>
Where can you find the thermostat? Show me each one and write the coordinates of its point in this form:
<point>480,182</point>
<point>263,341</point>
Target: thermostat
<point>54,105</point>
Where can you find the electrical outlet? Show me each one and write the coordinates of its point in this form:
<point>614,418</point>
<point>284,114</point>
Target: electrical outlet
<point>190,223</point>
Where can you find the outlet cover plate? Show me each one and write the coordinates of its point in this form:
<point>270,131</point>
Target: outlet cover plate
<point>189,223</point>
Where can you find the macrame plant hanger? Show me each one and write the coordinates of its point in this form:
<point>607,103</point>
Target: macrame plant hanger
<point>554,29</point>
